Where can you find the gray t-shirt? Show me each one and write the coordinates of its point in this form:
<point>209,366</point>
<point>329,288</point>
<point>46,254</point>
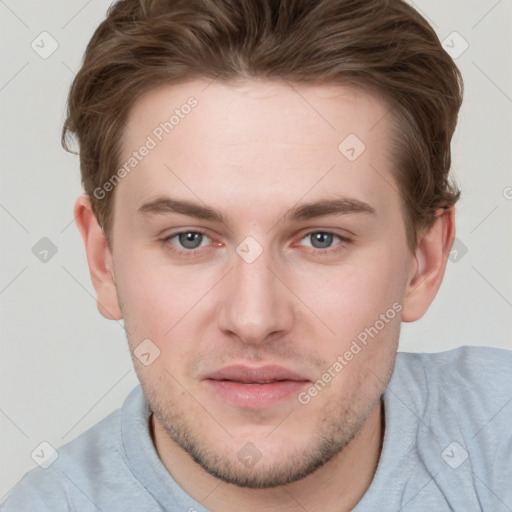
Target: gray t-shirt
<point>447,447</point>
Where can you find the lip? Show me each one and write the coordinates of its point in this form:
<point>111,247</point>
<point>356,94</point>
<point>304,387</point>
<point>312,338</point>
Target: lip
<point>252,375</point>
<point>254,387</point>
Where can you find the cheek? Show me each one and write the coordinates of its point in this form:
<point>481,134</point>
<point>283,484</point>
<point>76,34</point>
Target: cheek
<point>159,299</point>
<point>352,296</point>
<point>148,301</point>
<point>363,311</point>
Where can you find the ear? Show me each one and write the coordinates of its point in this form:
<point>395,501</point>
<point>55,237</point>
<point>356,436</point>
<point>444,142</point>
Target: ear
<point>429,265</point>
<point>99,259</point>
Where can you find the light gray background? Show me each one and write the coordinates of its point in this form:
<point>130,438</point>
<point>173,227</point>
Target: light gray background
<point>64,367</point>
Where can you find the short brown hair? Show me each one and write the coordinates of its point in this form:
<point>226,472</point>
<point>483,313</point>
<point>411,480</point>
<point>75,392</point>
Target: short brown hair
<point>384,46</point>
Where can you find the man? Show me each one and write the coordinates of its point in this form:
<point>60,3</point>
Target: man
<point>266,200</point>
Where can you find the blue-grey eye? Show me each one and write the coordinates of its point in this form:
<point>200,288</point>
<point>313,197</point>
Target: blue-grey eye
<point>190,239</point>
<point>321,239</point>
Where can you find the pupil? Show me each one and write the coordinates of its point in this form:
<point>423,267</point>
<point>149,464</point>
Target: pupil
<point>190,240</point>
<point>323,239</point>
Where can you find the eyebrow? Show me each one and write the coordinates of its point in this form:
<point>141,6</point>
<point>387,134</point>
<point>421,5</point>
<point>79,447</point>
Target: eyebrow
<point>343,206</point>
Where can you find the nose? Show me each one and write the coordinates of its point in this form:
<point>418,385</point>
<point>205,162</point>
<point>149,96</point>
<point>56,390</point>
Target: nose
<point>256,305</point>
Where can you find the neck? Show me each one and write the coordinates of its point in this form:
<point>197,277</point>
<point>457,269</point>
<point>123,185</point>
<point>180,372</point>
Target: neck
<point>336,486</point>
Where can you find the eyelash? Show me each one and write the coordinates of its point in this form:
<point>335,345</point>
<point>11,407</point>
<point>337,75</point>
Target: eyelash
<point>195,252</point>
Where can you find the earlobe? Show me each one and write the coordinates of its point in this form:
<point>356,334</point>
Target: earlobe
<point>427,270</point>
<point>99,259</point>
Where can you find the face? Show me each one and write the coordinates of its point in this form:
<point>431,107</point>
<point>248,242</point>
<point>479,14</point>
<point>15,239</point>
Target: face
<point>260,260</point>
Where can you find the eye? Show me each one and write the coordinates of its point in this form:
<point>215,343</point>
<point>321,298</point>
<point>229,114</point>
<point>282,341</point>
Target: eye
<point>323,240</point>
<point>186,241</point>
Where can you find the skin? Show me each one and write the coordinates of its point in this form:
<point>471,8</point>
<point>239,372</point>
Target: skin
<point>253,150</point>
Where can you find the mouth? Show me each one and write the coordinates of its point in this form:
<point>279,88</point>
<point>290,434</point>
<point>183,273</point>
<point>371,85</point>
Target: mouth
<point>255,388</point>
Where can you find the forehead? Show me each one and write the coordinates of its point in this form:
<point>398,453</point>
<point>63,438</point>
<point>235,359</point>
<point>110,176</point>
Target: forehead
<point>250,111</point>
<point>258,139</point>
